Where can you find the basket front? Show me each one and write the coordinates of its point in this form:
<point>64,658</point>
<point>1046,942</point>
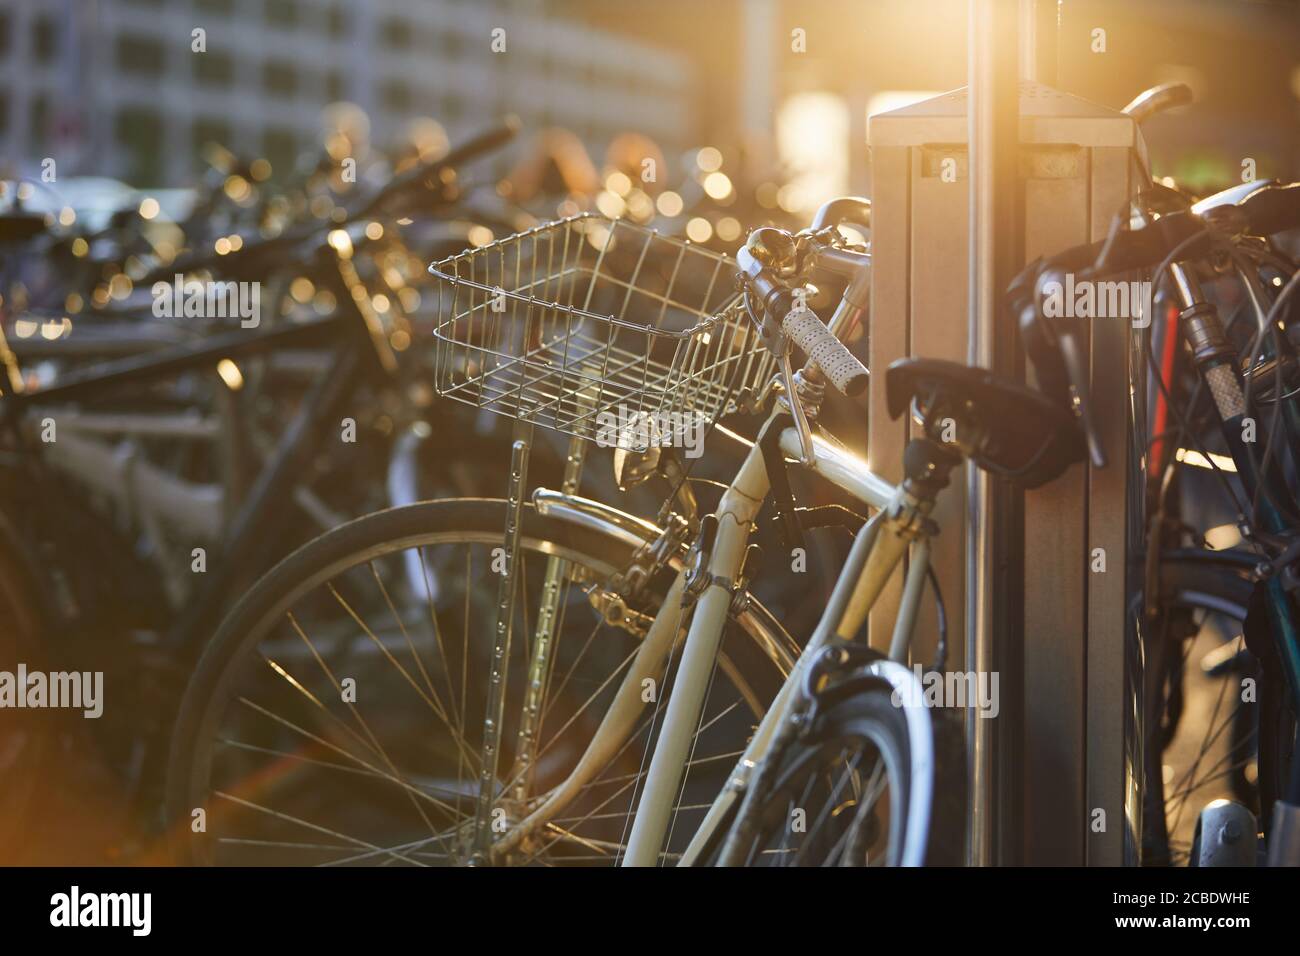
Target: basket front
<point>597,328</point>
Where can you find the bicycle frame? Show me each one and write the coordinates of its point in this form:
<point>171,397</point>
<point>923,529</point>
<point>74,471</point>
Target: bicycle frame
<point>879,548</point>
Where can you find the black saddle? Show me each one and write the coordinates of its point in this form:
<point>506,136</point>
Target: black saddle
<point>1004,427</point>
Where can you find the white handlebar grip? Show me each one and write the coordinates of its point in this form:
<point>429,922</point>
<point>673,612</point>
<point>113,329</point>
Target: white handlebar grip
<point>840,366</point>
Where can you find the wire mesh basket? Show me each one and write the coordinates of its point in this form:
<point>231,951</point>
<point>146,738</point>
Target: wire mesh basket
<point>598,328</point>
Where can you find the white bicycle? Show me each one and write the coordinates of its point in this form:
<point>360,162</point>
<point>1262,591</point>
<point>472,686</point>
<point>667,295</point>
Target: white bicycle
<point>549,680</point>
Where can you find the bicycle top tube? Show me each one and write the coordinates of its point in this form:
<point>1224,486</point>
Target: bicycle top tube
<point>842,468</point>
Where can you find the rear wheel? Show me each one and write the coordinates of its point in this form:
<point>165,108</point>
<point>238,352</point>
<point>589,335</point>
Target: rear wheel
<point>338,715</point>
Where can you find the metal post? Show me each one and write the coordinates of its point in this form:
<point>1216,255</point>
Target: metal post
<point>539,659</point>
<point>1039,23</point>
<point>757,99</point>
<point>992,117</point>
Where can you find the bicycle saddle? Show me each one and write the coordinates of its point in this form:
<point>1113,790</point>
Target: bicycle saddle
<point>1004,427</point>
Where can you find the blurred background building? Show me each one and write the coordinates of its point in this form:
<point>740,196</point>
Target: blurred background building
<point>115,87</point>
<point>111,87</point>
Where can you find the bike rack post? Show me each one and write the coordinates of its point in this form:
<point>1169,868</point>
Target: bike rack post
<point>539,656</point>
<point>501,635</point>
<point>990,511</point>
<point>1066,744</point>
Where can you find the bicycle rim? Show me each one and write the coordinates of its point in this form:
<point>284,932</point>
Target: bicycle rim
<point>337,719</point>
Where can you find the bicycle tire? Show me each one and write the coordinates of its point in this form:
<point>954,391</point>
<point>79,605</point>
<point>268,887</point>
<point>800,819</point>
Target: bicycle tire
<point>1216,583</point>
<point>757,677</point>
<point>865,713</point>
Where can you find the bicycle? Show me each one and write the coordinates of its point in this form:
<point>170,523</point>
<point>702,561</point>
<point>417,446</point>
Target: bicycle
<point>120,593</point>
<point>1243,377</point>
<point>557,327</point>
<point>1195,598</point>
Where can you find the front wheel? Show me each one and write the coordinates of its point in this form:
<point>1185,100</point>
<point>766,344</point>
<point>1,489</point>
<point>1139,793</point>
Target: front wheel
<point>338,715</point>
<point>843,793</point>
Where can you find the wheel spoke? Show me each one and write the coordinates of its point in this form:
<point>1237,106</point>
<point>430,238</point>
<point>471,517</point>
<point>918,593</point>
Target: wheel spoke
<point>342,782</point>
<point>289,818</point>
<point>393,778</point>
<point>433,705</point>
<point>410,645</point>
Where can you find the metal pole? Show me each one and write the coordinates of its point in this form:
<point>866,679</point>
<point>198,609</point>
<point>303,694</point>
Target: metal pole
<point>507,588</point>
<point>992,117</point>
<point>758,85</point>
<point>1028,40</point>
<point>1039,23</point>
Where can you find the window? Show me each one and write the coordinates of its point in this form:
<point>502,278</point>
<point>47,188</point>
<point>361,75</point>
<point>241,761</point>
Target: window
<point>335,88</point>
<point>214,69</point>
<point>280,146</point>
<point>207,130</point>
<point>38,119</point>
<point>45,39</point>
<point>283,13</point>
<point>336,22</point>
<point>139,56</point>
<point>395,96</point>
<point>140,133</point>
<point>395,33</point>
<point>280,79</point>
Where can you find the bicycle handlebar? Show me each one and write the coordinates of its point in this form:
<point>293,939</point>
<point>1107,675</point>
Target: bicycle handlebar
<point>769,261</point>
<point>840,366</point>
<point>1055,344</point>
<point>1157,99</point>
<point>1268,210</point>
<point>855,210</point>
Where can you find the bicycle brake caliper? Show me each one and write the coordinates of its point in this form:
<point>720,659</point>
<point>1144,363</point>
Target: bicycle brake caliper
<point>613,599</point>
